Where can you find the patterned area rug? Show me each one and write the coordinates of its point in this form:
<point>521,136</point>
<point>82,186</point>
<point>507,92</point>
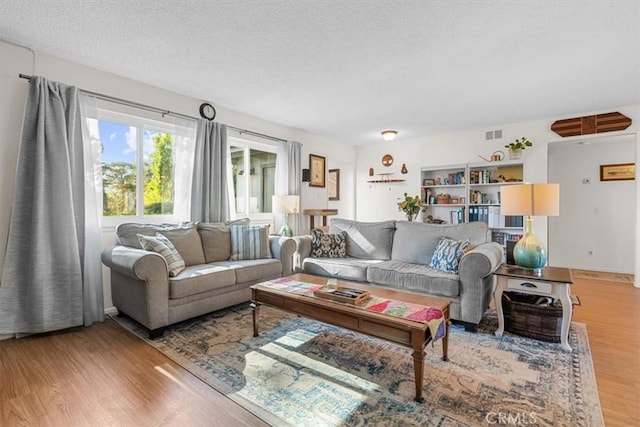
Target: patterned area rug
<point>304,373</point>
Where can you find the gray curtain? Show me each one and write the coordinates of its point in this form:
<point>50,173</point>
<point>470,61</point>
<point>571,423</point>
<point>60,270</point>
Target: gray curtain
<point>289,177</point>
<point>42,286</point>
<point>210,192</point>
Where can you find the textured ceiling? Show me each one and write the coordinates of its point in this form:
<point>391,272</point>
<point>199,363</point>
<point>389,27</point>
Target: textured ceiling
<point>348,70</point>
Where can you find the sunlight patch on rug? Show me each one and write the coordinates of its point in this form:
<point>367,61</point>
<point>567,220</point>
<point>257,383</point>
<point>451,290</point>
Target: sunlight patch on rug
<point>305,373</point>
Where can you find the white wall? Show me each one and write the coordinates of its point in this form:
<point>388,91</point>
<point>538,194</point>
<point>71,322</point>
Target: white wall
<point>596,218</point>
<point>376,202</point>
<point>17,60</point>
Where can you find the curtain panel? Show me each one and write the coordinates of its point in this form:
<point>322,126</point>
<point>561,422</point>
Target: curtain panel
<point>210,189</point>
<point>52,276</point>
<point>289,177</point>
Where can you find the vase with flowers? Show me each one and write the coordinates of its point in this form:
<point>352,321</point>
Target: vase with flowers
<point>410,206</point>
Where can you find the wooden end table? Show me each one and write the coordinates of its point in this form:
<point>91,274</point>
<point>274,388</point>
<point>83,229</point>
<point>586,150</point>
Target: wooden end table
<point>552,281</point>
<point>409,333</point>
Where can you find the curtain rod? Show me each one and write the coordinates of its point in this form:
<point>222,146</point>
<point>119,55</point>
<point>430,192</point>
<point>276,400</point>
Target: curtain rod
<point>161,111</point>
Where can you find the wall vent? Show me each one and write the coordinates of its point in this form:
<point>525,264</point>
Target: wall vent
<point>489,135</point>
<point>497,134</point>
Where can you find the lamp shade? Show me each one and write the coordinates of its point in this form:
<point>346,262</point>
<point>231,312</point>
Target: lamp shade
<point>286,204</point>
<point>530,199</point>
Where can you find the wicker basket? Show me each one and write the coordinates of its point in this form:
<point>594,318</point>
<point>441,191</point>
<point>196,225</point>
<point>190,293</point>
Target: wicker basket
<point>523,317</point>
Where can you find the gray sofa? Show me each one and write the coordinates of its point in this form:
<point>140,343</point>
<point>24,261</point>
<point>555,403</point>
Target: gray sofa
<point>398,254</point>
<point>142,288</point>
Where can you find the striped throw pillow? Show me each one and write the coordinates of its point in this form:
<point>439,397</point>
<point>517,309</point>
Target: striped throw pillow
<point>163,246</point>
<point>249,242</point>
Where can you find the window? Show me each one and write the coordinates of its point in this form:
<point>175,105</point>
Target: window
<point>253,169</point>
<point>138,159</point>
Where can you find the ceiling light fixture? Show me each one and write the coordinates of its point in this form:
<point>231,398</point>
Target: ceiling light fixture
<point>389,135</point>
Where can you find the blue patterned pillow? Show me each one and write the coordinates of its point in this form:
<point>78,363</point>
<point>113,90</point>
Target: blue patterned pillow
<point>325,245</point>
<point>448,253</point>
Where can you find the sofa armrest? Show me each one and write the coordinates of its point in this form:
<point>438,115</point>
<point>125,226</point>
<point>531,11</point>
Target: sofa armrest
<point>476,281</point>
<point>283,249</point>
<point>303,250</point>
<point>139,284</point>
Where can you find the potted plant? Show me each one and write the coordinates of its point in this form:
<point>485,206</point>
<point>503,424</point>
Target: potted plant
<point>410,206</point>
<point>516,147</point>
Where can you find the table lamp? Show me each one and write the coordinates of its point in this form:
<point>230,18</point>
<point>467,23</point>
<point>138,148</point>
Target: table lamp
<point>529,200</point>
<point>286,205</point>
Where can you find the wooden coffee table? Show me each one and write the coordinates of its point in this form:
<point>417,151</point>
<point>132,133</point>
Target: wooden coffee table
<point>409,333</point>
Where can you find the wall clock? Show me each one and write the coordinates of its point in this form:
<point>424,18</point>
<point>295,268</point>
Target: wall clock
<point>207,111</point>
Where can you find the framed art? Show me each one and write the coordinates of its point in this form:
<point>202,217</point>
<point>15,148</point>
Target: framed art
<point>429,182</point>
<point>618,172</point>
<point>333,184</point>
<point>317,168</point>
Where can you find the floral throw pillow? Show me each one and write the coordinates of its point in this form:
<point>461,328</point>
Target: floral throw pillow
<point>163,246</point>
<point>448,254</point>
<point>325,245</point>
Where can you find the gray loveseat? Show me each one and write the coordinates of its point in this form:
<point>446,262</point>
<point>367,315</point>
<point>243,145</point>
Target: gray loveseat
<point>398,254</point>
<point>142,288</point>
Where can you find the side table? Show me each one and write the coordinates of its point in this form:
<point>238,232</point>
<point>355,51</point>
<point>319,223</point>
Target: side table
<point>552,281</point>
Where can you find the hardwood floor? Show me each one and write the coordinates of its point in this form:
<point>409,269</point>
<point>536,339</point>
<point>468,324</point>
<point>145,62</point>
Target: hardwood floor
<point>103,375</point>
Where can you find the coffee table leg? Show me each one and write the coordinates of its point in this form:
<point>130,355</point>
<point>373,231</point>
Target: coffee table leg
<point>255,311</point>
<point>418,372</point>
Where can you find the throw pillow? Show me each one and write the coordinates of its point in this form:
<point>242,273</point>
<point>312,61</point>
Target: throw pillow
<point>249,242</point>
<point>163,246</point>
<point>216,239</point>
<point>326,245</point>
<point>448,254</point>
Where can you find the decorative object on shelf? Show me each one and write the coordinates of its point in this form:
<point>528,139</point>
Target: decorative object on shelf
<point>443,199</point>
<point>285,205</point>
<point>410,206</point>
<point>432,220</point>
<point>587,125</point>
<point>370,171</point>
<point>207,111</point>
<point>618,172</point>
<point>317,167</point>
<point>428,181</point>
<point>404,169</point>
<point>497,156</point>
<point>387,160</point>
<point>334,184</point>
<point>516,147</point>
<point>389,135</point>
<point>530,200</point>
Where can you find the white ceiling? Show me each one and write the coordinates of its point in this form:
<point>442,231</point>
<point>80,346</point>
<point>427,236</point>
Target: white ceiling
<point>349,69</point>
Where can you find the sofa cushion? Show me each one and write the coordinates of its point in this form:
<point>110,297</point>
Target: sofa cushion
<point>201,278</point>
<point>343,268</point>
<point>163,246</point>
<point>249,242</point>
<point>216,239</point>
<point>187,242</point>
<point>255,269</point>
<point>448,254</point>
<point>415,277</point>
<point>326,245</point>
<point>415,242</point>
<point>127,233</point>
<point>366,240</point>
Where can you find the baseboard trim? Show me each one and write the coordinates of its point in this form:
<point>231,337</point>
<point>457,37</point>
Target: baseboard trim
<point>603,275</point>
<point>111,311</point>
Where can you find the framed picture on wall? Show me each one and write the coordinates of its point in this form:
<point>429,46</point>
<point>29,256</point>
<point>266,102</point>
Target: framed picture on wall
<point>317,169</point>
<point>618,172</point>
<point>334,184</point>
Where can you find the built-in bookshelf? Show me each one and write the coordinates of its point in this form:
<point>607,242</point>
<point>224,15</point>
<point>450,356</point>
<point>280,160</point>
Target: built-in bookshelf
<point>471,192</point>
